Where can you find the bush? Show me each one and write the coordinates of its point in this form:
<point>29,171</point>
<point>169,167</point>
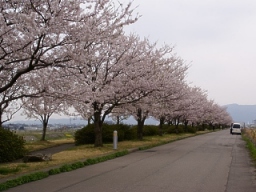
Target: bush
<point>107,133</point>
<point>66,168</point>
<point>54,171</point>
<point>121,130</point>
<point>191,129</point>
<point>11,146</point>
<point>86,134</point>
<point>130,133</point>
<point>203,127</point>
<point>172,129</point>
<point>150,130</point>
<point>124,132</point>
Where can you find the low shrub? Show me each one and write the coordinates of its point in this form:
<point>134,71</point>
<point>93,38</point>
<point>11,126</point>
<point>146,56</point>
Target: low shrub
<point>174,129</point>
<point>130,133</point>
<point>150,130</point>
<point>86,135</point>
<point>12,146</point>
<point>66,168</point>
<point>203,127</point>
<point>124,132</point>
<point>107,133</point>
<point>77,165</point>
<point>54,171</point>
<point>191,129</point>
<point>105,158</point>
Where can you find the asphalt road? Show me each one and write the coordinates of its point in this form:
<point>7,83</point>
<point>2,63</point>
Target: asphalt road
<point>214,162</point>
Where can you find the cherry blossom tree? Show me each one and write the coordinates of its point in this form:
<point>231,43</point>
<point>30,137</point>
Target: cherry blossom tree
<point>119,114</point>
<point>217,115</point>
<point>224,118</point>
<point>39,34</point>
<point>140,111</point>
<point>7,106</point>
<point>187,109</point>
<point>169,83</point>
<point>191,105</point>
<point>10,99</point>
<point>44,105</point>
<point>210,113</point>
<point>7,109</point>
<point>119,72</point>
<point>165,106</point>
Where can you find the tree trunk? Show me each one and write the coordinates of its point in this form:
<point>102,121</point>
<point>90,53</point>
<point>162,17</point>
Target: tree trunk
<point>140,120</point>
<point>177,121</point>
<point>45,123</point>
<point>89,120</point>
<point>140,129</point>
<point>203,126</point>
<point>162,119</point>
<point>1,123</point>
<point>211,125</point>
<point>170,122</point>
<point>1,118</point>
<point>97,130</point>
<point>117,120</point>
<point>186,126</point>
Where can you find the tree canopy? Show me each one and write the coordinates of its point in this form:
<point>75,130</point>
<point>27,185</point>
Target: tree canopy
<point>60,54</point>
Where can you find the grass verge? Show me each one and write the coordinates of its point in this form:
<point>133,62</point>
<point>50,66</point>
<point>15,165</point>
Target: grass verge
<point>251,147</point>
<point>249,135</point>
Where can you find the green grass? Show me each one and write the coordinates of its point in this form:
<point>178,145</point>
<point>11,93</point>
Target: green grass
<point>6,170</point>
<point>12,170</point>
<point>22,180</point>
<point>249,135</point>
<point>251,147</point>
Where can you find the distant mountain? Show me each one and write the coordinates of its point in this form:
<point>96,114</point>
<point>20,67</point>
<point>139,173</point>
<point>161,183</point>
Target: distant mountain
<point>242,113</point>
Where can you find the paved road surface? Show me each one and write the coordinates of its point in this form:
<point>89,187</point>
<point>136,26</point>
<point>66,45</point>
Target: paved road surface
<point>215,162</point>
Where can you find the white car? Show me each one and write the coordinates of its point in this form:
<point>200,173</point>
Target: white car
<point>236,128</point>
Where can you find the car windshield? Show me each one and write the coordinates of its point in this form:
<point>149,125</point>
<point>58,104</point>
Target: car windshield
<point>236,126</point>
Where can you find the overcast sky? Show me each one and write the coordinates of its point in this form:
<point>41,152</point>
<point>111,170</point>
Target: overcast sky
<point>217,38</point>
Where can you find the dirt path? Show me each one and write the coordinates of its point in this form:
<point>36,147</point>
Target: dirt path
<point>56,149</point>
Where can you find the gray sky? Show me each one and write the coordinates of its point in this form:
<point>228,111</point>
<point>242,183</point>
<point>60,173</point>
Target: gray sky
<point>217,38</point>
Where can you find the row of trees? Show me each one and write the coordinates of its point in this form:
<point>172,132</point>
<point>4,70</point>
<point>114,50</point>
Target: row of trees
<point>75,54</point>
